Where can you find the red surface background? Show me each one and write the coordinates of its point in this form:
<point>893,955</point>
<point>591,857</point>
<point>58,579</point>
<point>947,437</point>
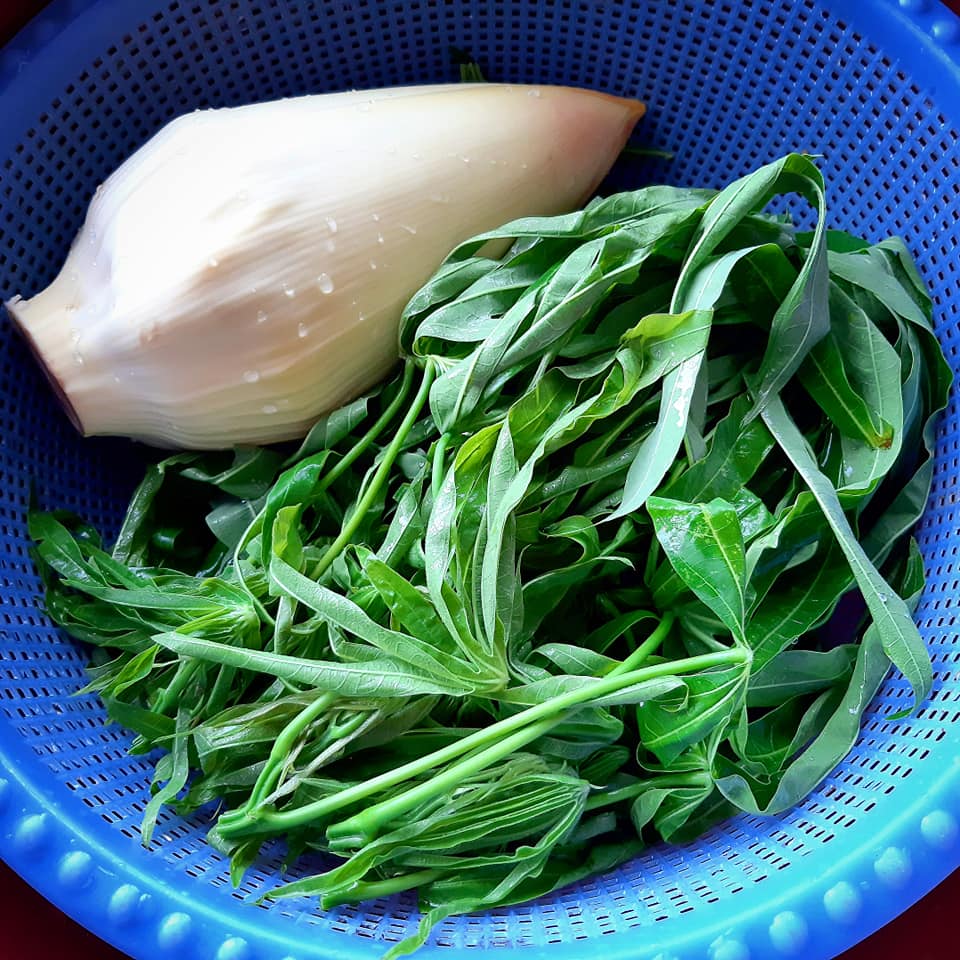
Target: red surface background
<point>34,929</point>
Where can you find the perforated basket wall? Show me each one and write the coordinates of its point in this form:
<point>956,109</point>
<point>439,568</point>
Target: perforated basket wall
<point>869,84</point>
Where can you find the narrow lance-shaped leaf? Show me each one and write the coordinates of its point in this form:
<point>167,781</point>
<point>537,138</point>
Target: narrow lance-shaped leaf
<point>659,449</point>
<point>382,677</point>
<point>897,633</point>
<point>803,318</point>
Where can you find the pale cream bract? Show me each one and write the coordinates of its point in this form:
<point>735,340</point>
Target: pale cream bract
<point>245,270</point>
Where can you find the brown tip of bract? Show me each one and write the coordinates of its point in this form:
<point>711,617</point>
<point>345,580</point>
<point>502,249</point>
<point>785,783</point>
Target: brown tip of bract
<point>592,128</point>
<point>634,109</point>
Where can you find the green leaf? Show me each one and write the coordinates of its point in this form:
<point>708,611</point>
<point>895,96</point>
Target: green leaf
<point>380,677</point>
<point>701,291</point>
<point>332,428</point>
<point>824,376</point>
<point>830,746</point>
<point>417,652</point>
<point>704,544</point>
<point>875,370</point>
<point>669,725</point>
<point>179,770</point>
<point>668,802</point>
<point>803,318</point>
<point>796,672</point>
<point>897,633</point>
<point>737,450</point>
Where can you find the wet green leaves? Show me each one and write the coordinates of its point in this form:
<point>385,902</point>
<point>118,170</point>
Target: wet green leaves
<point>623,548</point>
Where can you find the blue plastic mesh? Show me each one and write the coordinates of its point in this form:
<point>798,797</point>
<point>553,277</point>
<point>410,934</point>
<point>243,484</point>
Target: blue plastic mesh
<point>729,86</point>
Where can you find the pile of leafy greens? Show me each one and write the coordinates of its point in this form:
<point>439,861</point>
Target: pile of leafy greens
<point>570,582</point>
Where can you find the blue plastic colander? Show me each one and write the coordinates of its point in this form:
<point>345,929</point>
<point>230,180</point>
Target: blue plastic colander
<point>871,85</point>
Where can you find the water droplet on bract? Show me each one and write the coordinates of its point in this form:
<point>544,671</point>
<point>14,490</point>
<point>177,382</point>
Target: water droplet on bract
<point>331,224</point>
<point>375,217</point>
<point>325,283</point>
<point>289,291</point>
<point>330,246</point>
<point>269,408</point>
<point>439,198</point>
<point>373,264</point>
<point>380,238</point>
<point>361,316</point>
<point>251,376</point>
<point>533,92</point>
<point>116,379</point>
<point>214,262</point>
<point>465,159</point>
<point>302,331</point>
<point>492,161</point>
<point>77,358</point>
<point>411,230</point>
<point>523,166</point>
<point>417,156</point>
<point>74,336</point>
<point>261,317</point>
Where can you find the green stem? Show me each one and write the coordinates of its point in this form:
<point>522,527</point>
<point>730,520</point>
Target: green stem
<point>220,693</point>
<point>364,826</point>
<point>646,648</point>
<point>285,742</point>
<point>609,797</point>
<point>171,695</point>
<point>371,889</point>
<point>350,457</point>
<point>436,475</point>
<point>341,466</point>
<point>379,478</point>
<point>283,820</point>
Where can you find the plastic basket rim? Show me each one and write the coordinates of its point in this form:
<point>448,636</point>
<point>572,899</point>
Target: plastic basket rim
<point>76,863</point>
